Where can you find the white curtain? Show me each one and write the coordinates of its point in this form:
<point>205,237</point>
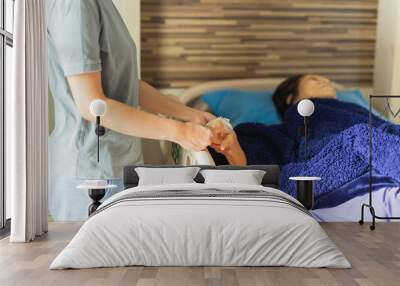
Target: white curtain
<point>27,123</point>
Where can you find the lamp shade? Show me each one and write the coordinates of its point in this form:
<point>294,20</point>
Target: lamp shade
<point>98,107</point>
<point>305,107</point>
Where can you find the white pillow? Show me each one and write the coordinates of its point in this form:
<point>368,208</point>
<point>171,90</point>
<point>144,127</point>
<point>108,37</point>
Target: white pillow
<point>248,177</point>
<point>163,176</point>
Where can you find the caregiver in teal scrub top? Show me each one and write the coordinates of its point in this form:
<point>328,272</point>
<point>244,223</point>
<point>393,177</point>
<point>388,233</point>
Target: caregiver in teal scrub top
<point>92,56</point>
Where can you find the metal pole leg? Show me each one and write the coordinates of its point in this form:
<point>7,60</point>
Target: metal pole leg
<point>361,221</point>
<point>372,227</point>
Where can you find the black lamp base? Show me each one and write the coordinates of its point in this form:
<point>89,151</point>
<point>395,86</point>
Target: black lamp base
<point>96,195</point>
<point>305,193</point>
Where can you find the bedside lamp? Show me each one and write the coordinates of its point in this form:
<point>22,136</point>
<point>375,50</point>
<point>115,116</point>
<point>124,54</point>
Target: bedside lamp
<point>305,108</point>
<point>97,188</point>
<point>305,185</point>
<point>98,109</point>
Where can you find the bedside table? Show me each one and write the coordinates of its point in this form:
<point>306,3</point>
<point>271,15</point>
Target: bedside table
<point>305,190</point>
<point>96,191</point>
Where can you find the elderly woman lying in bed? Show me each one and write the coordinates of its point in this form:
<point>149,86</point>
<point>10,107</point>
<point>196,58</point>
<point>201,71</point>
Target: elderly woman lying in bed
<point>338,142</point>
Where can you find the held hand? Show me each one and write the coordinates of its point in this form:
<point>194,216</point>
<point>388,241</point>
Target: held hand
<point>219,133</point>
<point>229,146</point>
<point>202,117</point>
<point>193,136</point>
<point>228,143</point>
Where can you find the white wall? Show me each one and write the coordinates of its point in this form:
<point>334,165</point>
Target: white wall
<point>387,56</point>
<point>130,12</point>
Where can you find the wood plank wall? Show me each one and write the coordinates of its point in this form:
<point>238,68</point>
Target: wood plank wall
<point>185,42</point>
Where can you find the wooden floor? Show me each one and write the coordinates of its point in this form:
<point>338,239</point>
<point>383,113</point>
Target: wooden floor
<point>375,257</point>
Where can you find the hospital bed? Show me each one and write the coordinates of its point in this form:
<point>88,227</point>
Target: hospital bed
<point>386,200</point>
<point>192,97</point>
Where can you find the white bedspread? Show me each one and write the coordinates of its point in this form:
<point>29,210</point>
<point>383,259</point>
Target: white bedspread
<point>200,231</point>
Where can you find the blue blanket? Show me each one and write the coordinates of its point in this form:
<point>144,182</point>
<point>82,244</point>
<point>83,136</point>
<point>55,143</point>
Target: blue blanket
<point>338,148</point>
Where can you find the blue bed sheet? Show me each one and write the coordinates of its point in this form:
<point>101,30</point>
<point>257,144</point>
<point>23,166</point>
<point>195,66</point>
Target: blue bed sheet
<point>257,106</point>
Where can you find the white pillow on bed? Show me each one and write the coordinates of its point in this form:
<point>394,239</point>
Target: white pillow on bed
<point>247,177</point>
<point>165,176</point>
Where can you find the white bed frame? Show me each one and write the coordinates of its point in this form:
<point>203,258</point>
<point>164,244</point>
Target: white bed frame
<point>191,98</point>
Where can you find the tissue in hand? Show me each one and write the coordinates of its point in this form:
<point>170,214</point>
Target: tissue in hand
<point>220,121</point>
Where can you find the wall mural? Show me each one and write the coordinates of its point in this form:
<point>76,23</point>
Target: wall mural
<point>313,128</point>
<point>218,39</point>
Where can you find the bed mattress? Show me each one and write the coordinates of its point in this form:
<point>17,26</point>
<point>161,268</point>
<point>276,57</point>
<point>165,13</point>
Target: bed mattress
<point>201,225</point>
<point>386,201</point>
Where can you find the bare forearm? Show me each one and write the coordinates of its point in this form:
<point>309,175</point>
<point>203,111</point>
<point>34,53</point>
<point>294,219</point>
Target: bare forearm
<point>119,117</point>
<point>236,156</point>
<point>131,121</point>
<point>153,101</point>
<point>134,122</point>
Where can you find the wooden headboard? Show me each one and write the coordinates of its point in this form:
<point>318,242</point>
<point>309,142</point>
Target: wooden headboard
<point>184,43</point>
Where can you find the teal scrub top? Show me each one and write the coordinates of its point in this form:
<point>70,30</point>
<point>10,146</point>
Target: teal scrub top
<point>89,36</point>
